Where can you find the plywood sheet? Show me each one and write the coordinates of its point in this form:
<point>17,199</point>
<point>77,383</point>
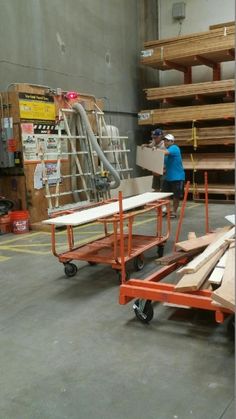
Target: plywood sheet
<point>134,186</point>
<point>92,214</point>
<point>150,159</point>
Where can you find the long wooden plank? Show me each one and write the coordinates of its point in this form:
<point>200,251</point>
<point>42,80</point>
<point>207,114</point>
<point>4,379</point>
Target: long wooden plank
<point>218,272</point>
<point>193,281</point>
<point>189,53</point>
<point>187,113</point>
<point>152,160</point>
<point>205,135</point>
<point>225,294</point>
<point>210,251</point>
<point>212,33</point>
<point>212,88</point>
<point>91,214</point>
<point>209,161</point>
<point>216,189</point>
<point>197,242</point>
<point>176,256</point>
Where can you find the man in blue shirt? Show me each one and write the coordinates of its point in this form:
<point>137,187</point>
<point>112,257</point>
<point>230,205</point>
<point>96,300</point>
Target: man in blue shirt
<point>174,172</point>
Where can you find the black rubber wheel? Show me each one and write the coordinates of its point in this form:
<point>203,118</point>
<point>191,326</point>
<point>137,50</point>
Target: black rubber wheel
<point>160,251</point>
<point>92,263</point>
<point>143,310</point>
<point>138,263</point>
<point>231,327</point>
<point>70,269</point>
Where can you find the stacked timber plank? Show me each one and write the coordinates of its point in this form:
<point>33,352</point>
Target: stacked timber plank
<point>215,264</point>
<point>219,88</point>
<point>190,50</point>
<point>208,107</point>
<point>215,135</point>
<point>209,161</point>
<point>214,112</point>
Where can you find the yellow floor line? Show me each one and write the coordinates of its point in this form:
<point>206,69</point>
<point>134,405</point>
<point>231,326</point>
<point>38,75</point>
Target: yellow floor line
<point>17,250</point>
<point>4,258</point>
<point>22,237</point>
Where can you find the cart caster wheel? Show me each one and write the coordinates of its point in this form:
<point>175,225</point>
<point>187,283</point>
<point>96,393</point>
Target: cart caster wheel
<point>143,310</point>
<point>138,263</point>
<point>127,276</point>
<point>160,251</point>
<point>92,263</point>
<point>70,269</point>
<point>231,327</point>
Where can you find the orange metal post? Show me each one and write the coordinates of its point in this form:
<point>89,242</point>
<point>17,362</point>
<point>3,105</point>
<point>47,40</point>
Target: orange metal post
<point>122,251</point>
<point>206,202</point>
<point>181,213</point>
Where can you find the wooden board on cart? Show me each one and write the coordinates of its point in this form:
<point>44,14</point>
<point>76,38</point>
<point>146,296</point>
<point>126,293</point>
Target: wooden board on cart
<point>209,252</point>
<point>193,281</point>
<point>91,214</point>
<point>225,294</point>
<point>134,186</point>
<point>196,243</point>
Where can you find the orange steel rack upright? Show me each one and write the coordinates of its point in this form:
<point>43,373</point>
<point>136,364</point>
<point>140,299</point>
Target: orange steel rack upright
<point>119,246</point>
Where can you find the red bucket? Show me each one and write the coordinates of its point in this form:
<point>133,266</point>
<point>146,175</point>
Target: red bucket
<point>20,222</point>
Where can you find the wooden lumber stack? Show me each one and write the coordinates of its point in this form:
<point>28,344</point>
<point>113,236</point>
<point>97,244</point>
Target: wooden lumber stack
<point>209,161</point>
<point>219,88</point>
<point>203,105</point>
<point>215,264</point>
<point>213,112</point>
<point>205,135</point>
<point>211,34</point>
<point>214,47</point>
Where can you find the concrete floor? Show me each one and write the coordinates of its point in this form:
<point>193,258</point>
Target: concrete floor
<point>69,350</point>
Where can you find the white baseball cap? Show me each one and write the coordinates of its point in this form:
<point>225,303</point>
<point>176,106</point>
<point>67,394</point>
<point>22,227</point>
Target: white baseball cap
<point>169,137</point>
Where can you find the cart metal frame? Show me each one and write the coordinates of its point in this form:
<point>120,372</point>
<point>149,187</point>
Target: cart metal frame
<point>118,247</point>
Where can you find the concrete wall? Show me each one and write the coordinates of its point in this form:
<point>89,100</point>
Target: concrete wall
<point>91,46</point>
<point>200,14</point>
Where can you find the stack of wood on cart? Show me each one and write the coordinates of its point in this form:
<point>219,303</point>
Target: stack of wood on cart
<point>212,265</point>
<point>199,115</point>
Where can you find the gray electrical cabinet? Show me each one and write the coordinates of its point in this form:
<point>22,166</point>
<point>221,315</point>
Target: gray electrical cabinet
<point>178,10</point>
<point>6,138</point>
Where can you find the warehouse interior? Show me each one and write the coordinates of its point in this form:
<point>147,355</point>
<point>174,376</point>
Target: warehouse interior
<point>112,304</point>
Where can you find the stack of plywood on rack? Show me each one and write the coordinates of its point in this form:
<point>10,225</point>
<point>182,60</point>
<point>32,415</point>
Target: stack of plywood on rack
<point>199,115</point>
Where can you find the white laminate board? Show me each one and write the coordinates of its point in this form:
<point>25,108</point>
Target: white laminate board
<point>150,159</point>
<point>133,186</point>
<point>92,214</point>
<point>231,218</point>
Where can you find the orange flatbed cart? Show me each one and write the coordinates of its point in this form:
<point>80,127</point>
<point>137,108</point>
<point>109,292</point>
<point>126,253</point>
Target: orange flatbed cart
<point>121,245</point>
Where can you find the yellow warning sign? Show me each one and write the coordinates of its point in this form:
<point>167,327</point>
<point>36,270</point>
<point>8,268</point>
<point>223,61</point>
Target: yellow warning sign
<point>37,107</point>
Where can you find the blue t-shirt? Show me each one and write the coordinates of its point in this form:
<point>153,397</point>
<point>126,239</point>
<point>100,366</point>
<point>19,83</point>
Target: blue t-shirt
<point>174,165</point>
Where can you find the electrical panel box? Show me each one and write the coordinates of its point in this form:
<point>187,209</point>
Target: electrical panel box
<point>7,157</point>
<point>178,10</point>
